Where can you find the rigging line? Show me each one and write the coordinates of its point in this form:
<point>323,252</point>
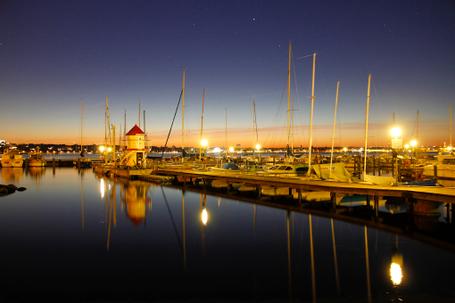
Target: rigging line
<point>305,56</point>
<point>172,219</point>
<point>275,118</point>
<point>173,119</point>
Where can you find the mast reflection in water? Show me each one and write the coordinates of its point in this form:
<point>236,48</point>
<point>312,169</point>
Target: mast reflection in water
<point>76,236</point>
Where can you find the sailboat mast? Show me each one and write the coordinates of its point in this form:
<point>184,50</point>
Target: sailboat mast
<point>310,145</point>
<point>255,125</point>
<point>450,125</point>
<point>183,109</point>
<point>107,123</point>
<point>289,93</point>
<point>202,123</point>
<point>225,131</point>
<point>82,121</point>
<point>145,132</point>
<point>124,127</point>
<point>139,113</point>
<point>367,110</point>
<point>335,109</point>
<point>418,127</point>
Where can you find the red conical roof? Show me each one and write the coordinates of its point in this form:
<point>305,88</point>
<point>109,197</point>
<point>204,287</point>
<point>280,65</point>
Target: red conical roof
<point>136,130</point>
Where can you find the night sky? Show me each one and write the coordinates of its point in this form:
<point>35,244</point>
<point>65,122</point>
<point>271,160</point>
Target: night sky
<point>53,54</point>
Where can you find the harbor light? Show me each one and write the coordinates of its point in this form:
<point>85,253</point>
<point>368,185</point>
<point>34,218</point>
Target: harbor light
<point>345,149</point>
<point>397,140</point>
<point>413,143</point>
<point>396,273</point>
<point>217,150</point>
<point>406,146</point>
<point>258,147</point>
<point>231,149</point>
<point>395,132</point>
<point>449,148</point>
<point>102,148</point>
<point>204,216</point>
<point>204,142</point>
<point>109,149</point>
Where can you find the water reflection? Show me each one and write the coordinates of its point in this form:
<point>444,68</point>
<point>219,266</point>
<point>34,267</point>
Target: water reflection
<point>135,197</point>
<point>11,175</point>
<point>396,266</point>
<point>250,252</point>
<point>204,212</point>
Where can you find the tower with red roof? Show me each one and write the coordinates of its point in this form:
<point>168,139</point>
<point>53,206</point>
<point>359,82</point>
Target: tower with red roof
<point>136,153</point>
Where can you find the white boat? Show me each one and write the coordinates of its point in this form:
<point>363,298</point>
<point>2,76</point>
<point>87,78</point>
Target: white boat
<point>444,168</point>
<point>287,170</point>
<point>12,159</point>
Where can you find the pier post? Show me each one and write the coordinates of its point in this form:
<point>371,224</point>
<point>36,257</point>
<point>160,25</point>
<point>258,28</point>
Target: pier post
<point>258,191</point>
<point>392,163</point>
<point>376,206</point>
<point>368,201</point>
<point>435,171</point>
<point>409,200</point>
<point>299,194</point>
<point>333,199</point>
<point>374,165</point>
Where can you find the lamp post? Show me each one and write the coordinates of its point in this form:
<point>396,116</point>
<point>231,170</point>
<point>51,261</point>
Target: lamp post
<point>204,143</point>
<point>396,143</point>
<point>413,144</point>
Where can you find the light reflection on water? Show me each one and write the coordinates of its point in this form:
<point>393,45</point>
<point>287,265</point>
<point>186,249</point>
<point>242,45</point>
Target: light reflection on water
<point>93,237</point>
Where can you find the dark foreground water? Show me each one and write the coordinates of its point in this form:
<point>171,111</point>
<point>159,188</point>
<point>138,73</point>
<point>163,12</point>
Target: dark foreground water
<point>75,237</point>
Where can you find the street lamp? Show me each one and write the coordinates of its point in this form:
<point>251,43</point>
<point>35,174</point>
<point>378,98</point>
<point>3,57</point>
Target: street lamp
<point>204,143</point>
<point>397,143</point>
<point>257,147</point>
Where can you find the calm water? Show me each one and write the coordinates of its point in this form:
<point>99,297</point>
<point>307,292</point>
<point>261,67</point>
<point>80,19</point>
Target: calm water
<point>74,236</point>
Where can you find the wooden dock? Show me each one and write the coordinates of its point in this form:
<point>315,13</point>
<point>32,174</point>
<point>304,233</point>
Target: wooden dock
<point>408,193</point>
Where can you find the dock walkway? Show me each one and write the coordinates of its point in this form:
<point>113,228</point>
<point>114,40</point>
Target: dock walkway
<point>429,193</point>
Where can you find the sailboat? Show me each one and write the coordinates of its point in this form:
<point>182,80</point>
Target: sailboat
<point>370,179</point>
<point>12,159</point>
<point>82,162</point>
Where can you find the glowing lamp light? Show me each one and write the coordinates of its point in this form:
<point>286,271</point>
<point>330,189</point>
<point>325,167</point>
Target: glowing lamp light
<point>204,216</point>
<point>258,147</point>
<point>413,143</point>
<point>345,149</point>
<point>102,188</point>
<point>217,150</point>
<point>395,132</point>
<point>204,143</point>
<point>102,148</point>
<point>449,148</point>
<point>406,146</point>
<point>109,149</point>
<point>231,149</point>
<point>396,273</point>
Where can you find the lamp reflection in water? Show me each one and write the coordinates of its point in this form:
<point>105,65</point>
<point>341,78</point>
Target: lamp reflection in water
<point>204,212</point>
<point>395,270</point>
<point>102,188</point>
<point>396,266</point>
<point>204,216</point>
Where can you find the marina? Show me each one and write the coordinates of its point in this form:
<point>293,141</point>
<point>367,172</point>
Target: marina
<point>227,151</point>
